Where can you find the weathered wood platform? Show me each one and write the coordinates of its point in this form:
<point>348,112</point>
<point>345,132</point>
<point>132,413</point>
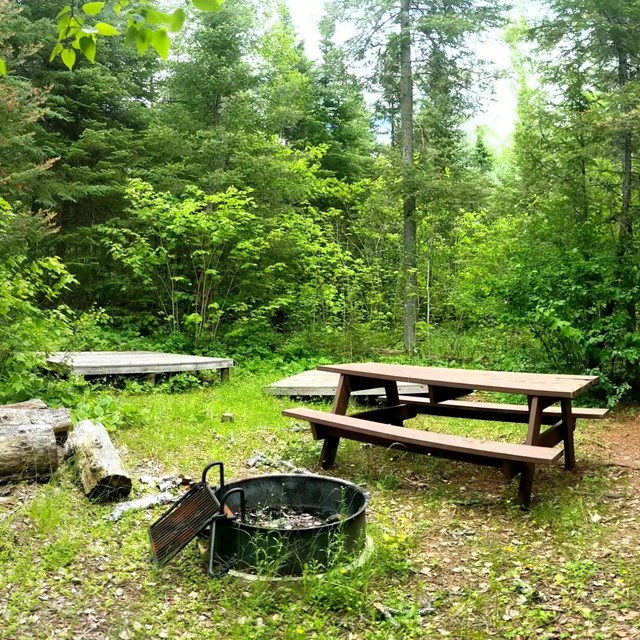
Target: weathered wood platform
<point>103,363</point>
<point>316,383</point>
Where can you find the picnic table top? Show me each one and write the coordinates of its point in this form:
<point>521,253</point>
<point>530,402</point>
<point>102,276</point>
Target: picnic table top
<point>532,384</point>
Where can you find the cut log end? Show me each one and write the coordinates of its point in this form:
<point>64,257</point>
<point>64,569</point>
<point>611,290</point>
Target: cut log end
<point>111,489</point>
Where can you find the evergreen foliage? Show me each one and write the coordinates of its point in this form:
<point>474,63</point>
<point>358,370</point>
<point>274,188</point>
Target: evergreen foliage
<point>237,200</point>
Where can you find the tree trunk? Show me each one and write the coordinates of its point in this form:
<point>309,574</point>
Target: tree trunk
<point>409,205</point>
<point>625,220</point>
<point>625,227</point>
<point>101,472</point>
<point>27,452</point>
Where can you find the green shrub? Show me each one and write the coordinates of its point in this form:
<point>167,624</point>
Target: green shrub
<point>30,324</point>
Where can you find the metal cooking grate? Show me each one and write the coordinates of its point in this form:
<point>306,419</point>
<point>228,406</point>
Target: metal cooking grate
<point>186,518</point>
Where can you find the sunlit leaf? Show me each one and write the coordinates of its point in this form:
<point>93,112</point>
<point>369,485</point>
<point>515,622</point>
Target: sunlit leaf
<point>3,68</point>
<point>68,57</point>
<point>88,46</point>
<point>157,17</point>
<point>63,12</point>
<point>143,40</point>
<point>55,51</point>
<point>207,5</point>
<point>161,42</point>
<point>91,8</point>
<point>105,29</point>
<point>63,23</point>
<point>177,19</point>
<point>131,35</point>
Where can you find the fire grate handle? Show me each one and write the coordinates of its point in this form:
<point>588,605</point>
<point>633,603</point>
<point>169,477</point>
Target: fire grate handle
<point>223,501</point>
<point>223,519</point>
<point>205,483</point>
<point>191,513</point>
<point>211,466</point>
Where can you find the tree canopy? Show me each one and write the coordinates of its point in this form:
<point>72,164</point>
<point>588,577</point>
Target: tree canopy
<point>239,197</point>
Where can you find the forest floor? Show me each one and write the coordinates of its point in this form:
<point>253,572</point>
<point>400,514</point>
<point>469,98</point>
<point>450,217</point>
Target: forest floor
<point>453,556</point>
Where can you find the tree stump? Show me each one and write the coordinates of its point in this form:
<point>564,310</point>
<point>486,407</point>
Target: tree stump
<point>27,452</point>
<point>101,471</point>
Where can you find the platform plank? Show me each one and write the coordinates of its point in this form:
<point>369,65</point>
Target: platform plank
<point>99,363</point>
<point>316,383</point>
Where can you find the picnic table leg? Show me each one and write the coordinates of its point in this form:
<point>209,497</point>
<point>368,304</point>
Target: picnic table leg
<point>340,404</point>
<point>329,451</point>
<point>329,445</point>
<point>510,470</point>
<point>341,399</point>
<point>391,391</point>
<point>568,427</point>
<point>526,484</point>
<point>536,406</point>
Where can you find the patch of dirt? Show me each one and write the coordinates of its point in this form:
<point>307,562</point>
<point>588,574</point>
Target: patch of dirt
<point>619,442</point>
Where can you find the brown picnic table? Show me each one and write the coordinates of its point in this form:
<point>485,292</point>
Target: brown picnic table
<point>448,391</point>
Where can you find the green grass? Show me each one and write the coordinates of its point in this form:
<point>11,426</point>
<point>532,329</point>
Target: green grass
<point>447,537</point>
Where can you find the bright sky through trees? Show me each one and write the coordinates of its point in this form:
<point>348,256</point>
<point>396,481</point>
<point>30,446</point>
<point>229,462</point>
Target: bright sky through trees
<point>499,114</point>
<point>305,15</point>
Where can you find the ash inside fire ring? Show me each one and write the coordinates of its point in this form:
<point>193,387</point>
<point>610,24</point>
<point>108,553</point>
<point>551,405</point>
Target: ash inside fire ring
<point>290,518</point>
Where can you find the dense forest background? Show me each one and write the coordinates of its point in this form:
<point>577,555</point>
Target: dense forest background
<point>243,200</point>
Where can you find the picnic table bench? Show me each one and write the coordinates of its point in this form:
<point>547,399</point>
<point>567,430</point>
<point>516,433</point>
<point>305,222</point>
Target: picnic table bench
<point>384,426</point>
<point>497,411</point>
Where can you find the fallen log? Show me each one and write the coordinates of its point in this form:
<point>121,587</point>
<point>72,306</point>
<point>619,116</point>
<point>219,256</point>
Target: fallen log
<point>33,412</point>
<point>102,474</point>
<point>34,403</point>
<point>27,452</point>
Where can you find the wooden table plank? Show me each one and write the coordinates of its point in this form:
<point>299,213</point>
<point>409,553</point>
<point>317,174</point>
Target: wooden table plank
<point>96,363</point>
<point>369,431</point>
<point>532,384</point>
<point>316,383</point>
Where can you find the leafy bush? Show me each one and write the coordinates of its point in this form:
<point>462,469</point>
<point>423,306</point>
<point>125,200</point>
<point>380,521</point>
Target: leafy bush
<point>175,253</point>
<point>30,324</point>
<point>106,409</point>
<point>516,278</point>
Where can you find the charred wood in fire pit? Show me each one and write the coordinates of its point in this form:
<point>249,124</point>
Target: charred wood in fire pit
<point>290,518</point>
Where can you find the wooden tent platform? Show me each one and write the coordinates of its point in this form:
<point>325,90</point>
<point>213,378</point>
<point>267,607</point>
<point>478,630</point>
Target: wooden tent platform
<point>316,383</point>
<point>103,363</point>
